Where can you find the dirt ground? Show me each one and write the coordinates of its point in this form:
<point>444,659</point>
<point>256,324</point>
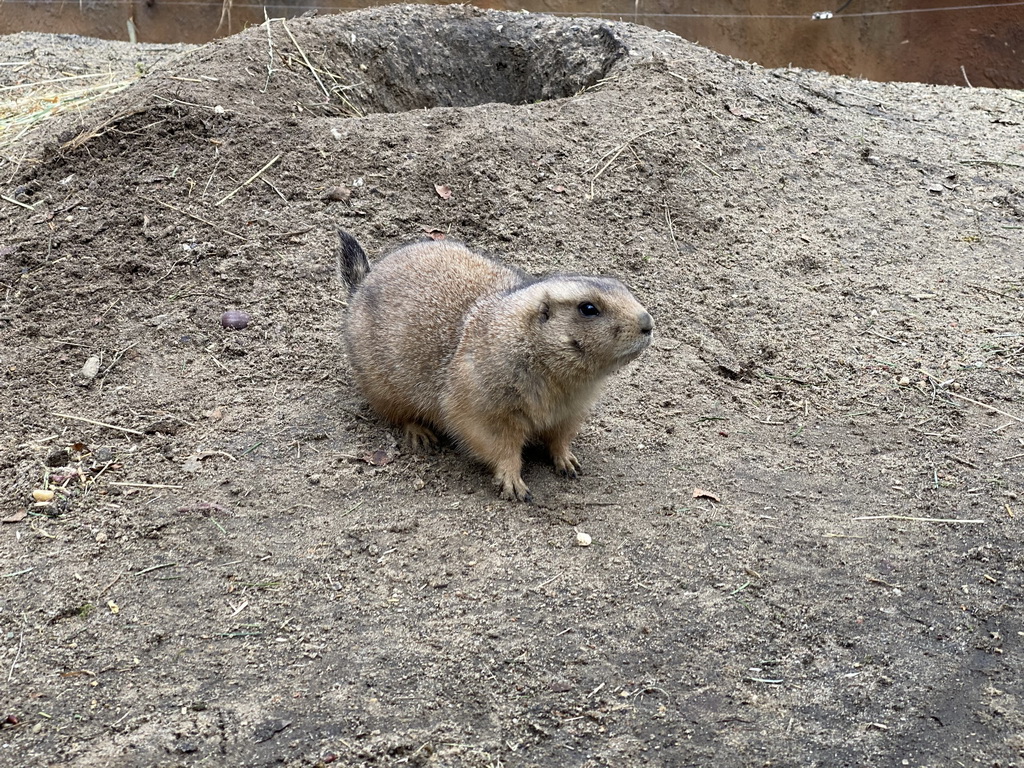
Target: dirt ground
<point>804,499</point>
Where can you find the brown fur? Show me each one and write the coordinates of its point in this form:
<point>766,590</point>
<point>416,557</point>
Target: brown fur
<point>442,338</point>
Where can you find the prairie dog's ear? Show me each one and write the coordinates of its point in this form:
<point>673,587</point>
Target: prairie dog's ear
<point>544,311</point>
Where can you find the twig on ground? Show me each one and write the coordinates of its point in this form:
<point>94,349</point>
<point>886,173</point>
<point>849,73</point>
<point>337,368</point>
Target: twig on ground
<point>17,655</point>
<point>37,83</point>
<point>879,335</point>
<point>117,357</point>
<point>146,485</point>
<point>986,406</point>
<point>17,202</point>
<point>708,168</point>
<point>339,89</point>
<point>883,582</point>
<point>546,582</point>
<point>614,156</point>
<point>352,509</point>
<point>112,583</point>
<point>248,181</point>
<point>991,162</point>
<point>958,460</point>
<point>769,421</point>
<point>182,102</point>
<point>98,130</point>
<point>671,231</point>
<point>98,423</point>
<point>152,568</point>
<point>993,291</point>
<point>270,184</point>
<point>302,53</point>
<point>270,44</point>
<point>740,588</point>
<point>197,218</point>
<point>908,518</point>
<point>12,574</point>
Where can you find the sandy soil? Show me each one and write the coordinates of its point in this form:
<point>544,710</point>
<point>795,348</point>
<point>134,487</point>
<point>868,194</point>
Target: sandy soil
<point>804,499</point>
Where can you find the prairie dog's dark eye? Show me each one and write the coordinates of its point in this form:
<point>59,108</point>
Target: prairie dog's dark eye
<point>588,310</point>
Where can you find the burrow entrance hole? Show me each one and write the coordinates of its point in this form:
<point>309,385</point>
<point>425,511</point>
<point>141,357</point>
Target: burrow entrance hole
<point>422,60</point>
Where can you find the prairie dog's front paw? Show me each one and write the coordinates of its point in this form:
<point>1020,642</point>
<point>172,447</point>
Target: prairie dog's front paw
<point>512,487</point>
<point>567,464</point>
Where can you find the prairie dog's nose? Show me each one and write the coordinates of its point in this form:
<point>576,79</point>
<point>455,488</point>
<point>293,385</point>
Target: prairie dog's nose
<point>646,323</point>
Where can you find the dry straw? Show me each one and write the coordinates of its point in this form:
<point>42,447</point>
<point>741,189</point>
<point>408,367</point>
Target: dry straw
<point>26,106</point>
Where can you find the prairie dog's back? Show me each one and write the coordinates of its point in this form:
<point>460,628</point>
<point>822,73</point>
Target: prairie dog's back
<point>407,316</point>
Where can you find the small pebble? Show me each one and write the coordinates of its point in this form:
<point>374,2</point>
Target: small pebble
<point>583,539</point>
<point>904,381</point>
<point>234,319</point>
<point>91,368</point>
<point>42,495</point>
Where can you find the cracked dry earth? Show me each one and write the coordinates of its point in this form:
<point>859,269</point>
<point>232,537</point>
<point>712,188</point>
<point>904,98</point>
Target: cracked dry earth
<point>803,499</point>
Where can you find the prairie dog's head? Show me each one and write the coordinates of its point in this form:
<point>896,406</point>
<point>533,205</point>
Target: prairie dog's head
<point>591,325</point>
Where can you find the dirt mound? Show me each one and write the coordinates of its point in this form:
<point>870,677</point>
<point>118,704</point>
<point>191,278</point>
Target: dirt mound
<point>803,500</point>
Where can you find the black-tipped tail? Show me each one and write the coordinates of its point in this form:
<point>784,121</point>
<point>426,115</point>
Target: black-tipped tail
<point>353,266</point>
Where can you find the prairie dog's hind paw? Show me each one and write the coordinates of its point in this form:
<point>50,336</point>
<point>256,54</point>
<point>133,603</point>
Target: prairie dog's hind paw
<point>418,437</point>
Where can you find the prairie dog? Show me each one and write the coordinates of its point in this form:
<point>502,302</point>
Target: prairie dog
<point>442,338</point>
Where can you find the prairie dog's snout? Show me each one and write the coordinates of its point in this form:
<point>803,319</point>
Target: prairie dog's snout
<point>440,337</point>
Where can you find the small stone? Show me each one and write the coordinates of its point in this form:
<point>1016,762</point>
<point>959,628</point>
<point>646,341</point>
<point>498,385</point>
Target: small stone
<point>904,381</point>
<point>235,320</point>
<point>91,369</point>
<point>42,495</point>
<point>583,539</point>
<point>101,537</point>
<point>337,194</point>
<point>58,457</point>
